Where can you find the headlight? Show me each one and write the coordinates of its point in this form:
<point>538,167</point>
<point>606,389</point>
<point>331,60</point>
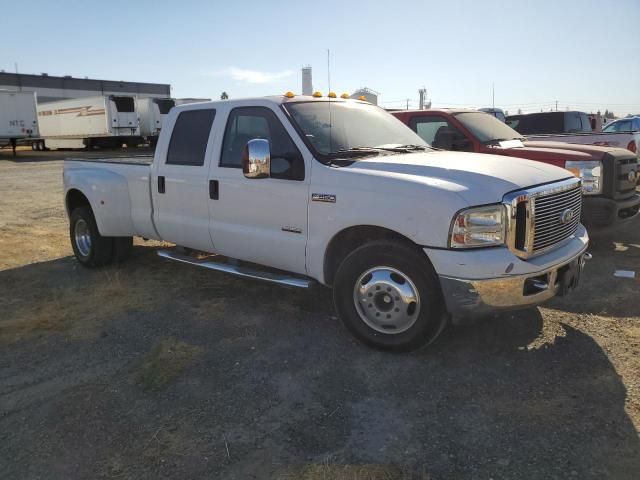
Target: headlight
<point>590,172</point>
<point>478,227</point>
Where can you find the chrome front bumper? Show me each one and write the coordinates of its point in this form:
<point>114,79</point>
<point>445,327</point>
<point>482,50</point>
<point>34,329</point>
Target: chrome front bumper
<point>481,297</point>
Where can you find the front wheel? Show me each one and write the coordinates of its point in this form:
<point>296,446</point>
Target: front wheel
<point>388,295</point>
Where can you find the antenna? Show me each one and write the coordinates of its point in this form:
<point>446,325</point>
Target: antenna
<point>493,95</point>
<point>330,100</point>
<point>329,69</point>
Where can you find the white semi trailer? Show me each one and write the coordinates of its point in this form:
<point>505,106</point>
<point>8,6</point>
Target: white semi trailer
<point>18,117</point>
<point>101,121</point>
<point>152,112</point>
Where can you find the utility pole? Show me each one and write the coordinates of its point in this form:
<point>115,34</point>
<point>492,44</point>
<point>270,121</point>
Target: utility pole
<point>556,105</point>
<point>423,96</point>
<point>408,103</point>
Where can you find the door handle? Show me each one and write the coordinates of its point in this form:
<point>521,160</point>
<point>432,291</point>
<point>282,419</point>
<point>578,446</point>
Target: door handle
<point>214,193</point>
<point>161,188</point>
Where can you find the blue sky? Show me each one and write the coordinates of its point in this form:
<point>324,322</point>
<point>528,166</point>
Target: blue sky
<point>585,54</point>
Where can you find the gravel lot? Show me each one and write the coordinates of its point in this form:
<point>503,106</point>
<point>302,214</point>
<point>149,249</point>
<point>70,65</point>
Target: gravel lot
<point>154,369</point>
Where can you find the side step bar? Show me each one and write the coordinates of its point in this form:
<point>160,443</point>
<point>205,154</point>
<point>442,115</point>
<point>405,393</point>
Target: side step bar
<point>241,271</point>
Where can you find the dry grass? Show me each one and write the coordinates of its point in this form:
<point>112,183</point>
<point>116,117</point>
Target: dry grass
<point>165,362</point>
<point>31,304</point>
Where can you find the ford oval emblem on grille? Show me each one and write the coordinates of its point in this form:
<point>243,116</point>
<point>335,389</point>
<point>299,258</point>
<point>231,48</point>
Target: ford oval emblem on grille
<point>632,176</point>
<point>566,216</point>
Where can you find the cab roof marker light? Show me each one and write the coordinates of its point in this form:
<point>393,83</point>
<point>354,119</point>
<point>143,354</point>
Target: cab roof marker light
<point>317,94</point>
<point>344,95</point>
<point>363,98</point>
<point>289,94</point>
<point>332,95</point>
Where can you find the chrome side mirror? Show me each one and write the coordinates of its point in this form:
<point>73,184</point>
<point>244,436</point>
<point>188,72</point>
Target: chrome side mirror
<point>256,159</point>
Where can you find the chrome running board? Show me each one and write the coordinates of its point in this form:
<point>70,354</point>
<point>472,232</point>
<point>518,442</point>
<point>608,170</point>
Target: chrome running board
<point>239,270</point>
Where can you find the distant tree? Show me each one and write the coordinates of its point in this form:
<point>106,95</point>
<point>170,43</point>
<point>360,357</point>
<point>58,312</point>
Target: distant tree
<point>224,96</point>
<point>608,114</point>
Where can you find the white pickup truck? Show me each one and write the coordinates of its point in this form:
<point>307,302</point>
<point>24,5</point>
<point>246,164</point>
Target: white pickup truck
<point>303,190</point>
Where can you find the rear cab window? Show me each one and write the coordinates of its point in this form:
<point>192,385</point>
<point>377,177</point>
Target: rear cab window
<point>189,137</point>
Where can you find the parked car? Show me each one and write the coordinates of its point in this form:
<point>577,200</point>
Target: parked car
<point>608,175</point>
<point>496,112</point>
<point>571,127</point>
<point>404,234</point>
<point>629,124</point>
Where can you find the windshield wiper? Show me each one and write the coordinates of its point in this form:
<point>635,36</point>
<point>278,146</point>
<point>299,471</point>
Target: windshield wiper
<point>354,152</point>
<point>408,147</point>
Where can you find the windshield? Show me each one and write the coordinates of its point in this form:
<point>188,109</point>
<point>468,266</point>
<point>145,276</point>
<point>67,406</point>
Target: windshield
<point>334,127</point>
<point>486,128</point>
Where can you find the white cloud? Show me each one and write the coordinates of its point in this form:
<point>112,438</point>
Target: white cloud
<point>252,76</point>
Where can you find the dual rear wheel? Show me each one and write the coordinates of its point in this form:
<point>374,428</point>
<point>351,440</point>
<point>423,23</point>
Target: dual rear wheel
<point>92,249</point>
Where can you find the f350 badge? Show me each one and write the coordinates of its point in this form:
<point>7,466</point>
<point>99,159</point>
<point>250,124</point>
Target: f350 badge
<point>323,197</point>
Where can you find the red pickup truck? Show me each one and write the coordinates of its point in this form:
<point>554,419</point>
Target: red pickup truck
<point>609,175</point>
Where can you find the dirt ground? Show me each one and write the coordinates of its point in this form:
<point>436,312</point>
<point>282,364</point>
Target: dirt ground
<point>159,370</point>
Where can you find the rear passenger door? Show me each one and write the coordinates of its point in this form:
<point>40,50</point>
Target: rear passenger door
<point>260,220</point>
<point>180,186</point>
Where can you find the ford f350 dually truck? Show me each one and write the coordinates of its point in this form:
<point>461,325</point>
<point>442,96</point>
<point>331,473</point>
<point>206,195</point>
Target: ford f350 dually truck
<point>304,190</point>
<point>608,174</point>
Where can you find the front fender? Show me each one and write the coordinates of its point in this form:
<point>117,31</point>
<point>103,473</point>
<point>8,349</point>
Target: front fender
<point>108,195</point>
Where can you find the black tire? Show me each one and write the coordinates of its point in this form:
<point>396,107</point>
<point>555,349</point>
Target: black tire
<point>430,319</point>
<point>99,251</point>
<point>122,247</point>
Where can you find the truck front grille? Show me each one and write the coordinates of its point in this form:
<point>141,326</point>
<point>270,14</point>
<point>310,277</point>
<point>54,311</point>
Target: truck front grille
<point>542,218</point>
<point>624,186</point>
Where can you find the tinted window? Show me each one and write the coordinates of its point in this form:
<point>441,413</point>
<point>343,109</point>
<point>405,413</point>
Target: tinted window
<point>124,104</point>
<point>248,123</point>
<point>535,123</point>
<point>164,105</point>
<point>439,133</point>
<point>624,126</point>
<point>485,127</point>
<point>189,137</point>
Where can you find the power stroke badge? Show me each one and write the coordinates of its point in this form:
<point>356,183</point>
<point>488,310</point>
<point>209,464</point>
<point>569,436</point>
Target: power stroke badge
<point>323,197</point>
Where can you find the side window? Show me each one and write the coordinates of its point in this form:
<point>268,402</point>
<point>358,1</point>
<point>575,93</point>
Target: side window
<point>189,138</point>
<point>572,123</point>
<point>439,133</point>
<point>247,123</point>
<point>624,126</point>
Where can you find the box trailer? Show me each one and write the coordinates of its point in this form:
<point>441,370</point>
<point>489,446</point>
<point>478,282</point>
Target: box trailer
<point>152,112</point>
<point>18,117</point>
<point>101,121</point>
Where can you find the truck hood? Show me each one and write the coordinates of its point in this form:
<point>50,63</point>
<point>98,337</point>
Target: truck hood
<point>477,178</point>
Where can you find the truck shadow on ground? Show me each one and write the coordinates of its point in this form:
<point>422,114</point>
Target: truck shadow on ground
<point>272,381</point>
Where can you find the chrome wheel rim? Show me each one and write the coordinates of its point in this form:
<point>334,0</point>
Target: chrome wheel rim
<point>82,237</point>
<point>386,300</point>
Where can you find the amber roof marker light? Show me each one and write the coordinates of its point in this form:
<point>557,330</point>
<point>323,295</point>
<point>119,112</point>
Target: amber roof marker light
<point>317,94</point>
<point>289,94</point>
